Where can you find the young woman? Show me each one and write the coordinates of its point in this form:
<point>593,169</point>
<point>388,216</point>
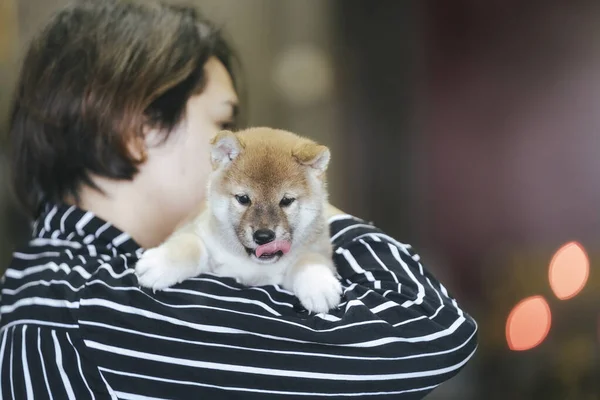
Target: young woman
<point>112,117</point>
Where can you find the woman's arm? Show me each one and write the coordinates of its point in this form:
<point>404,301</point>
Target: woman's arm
<point>397,333</point>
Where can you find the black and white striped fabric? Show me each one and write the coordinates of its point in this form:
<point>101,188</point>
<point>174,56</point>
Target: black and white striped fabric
<point>76,325</point>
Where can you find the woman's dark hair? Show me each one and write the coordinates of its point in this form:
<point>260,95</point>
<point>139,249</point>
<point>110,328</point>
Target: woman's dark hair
<point>98,74</point>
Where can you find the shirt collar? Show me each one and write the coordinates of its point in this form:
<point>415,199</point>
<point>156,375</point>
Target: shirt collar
<point>61,221</point>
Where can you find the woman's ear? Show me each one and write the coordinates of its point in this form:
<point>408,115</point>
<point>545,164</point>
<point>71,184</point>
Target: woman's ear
<point>137,147</point>
<point>139,144</point>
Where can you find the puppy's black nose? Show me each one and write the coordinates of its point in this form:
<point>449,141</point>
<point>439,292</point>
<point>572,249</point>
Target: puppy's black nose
<point>263,236</point>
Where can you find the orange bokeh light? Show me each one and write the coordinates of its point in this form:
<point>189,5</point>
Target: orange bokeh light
<point>528,323</point>
<point>569,270</point>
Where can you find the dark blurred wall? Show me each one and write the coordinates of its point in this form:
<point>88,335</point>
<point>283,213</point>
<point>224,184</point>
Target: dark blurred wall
<point>377,45</point>
<point>511,130</point>
<point>508,160</point>
<point>10,220</point>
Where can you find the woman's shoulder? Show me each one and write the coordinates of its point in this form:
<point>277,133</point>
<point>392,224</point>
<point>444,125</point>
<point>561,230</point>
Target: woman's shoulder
<point>52,260</point>
<point>49,276</point>
<point>73,245</point>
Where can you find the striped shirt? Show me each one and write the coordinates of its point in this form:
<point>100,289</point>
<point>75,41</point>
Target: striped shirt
<point>76,325</point>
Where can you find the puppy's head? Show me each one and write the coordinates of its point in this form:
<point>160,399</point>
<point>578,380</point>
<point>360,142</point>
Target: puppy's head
<point>267,190</point>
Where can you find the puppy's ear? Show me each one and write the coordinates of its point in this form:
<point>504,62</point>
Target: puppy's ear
<point>312,155</point>
<point>225,147</point>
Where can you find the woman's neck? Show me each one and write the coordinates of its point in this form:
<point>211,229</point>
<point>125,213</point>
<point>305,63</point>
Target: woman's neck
<point>129,209</point>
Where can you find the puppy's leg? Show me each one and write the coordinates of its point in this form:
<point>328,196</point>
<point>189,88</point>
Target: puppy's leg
<point>313,280</point>
<point>181,256</point>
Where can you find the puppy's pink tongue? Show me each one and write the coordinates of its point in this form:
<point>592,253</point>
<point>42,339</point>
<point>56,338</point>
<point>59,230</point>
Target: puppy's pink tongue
<point>273,247</point>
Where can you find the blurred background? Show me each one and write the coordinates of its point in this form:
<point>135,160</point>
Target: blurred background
<point>470,129</point>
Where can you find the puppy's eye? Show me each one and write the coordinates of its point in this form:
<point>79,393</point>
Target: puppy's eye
<point>242,199</point>
<point>286,201</point>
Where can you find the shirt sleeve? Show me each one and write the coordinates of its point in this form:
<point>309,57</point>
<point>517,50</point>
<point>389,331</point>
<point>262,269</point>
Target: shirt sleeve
<point>398,332</point>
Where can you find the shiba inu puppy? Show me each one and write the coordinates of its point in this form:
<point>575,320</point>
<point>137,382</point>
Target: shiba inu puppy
<point>263,223</point>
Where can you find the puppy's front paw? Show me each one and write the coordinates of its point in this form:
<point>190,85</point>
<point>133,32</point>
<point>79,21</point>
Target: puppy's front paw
<point>157,270</point>
<point>317,288</point>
